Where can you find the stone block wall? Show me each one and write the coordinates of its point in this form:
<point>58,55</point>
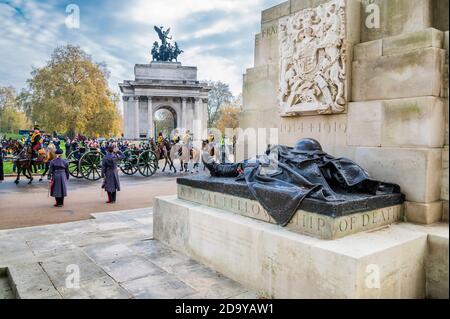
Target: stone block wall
<point>445,152</point>
<point>396,121</point>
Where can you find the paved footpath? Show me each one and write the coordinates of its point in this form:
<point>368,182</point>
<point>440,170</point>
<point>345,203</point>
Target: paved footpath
<point>26,205</point>
<point>116,257</point>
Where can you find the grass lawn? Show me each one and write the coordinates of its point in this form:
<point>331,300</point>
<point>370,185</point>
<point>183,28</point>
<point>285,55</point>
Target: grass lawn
<point>11,135</point>
<point>7,168</point>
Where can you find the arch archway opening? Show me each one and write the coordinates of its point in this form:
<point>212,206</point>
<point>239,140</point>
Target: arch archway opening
<point>165,121</point>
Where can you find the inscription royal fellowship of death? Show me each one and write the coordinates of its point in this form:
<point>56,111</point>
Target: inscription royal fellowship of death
<point>313,224</point>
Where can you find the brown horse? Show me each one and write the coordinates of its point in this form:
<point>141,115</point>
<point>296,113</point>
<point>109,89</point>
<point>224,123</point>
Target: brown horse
<point>163,152</point>
<point>23,160</point>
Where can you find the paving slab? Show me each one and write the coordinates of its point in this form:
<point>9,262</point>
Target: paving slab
<point>161,286</point>
<point>130,267</point>
<point>116,256</point>
<point>100,288</point>
<point>211,284</point>
<point>58,267</point>
<point>105,252</point>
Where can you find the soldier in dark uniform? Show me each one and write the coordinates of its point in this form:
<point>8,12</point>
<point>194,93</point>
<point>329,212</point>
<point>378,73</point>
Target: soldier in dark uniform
<point>36,142</point>
<point>59,175</point>
<point>2,175</point>
<point>110,173</point>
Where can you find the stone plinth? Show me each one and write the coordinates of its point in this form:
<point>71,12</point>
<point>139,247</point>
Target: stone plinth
<point>316,218</point>
<point>278,263</point>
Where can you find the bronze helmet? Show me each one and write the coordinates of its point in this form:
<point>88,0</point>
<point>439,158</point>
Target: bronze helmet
<point>308,146</point>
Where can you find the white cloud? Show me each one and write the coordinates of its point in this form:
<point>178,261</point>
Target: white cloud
<point>28,36</point>
<point>170,12</point>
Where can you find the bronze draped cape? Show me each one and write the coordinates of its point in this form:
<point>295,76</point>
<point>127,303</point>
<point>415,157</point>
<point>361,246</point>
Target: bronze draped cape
<point>316,175</point>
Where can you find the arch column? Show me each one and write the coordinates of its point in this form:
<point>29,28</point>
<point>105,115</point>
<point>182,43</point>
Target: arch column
<point>184,111</point>
<point>126,115</point>
<point>136,117</point>
<point>151,129</point>
<point>204,116</point>
<point>198,118</point>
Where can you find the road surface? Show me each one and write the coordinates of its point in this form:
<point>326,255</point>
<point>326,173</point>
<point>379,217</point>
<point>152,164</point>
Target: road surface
<point>26,205</point>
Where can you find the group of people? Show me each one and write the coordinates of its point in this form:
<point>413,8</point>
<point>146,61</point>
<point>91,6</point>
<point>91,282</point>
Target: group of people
<point>47,151</point>
<point>43,147</point>
<point>59,175</point>
<point>83,143</point>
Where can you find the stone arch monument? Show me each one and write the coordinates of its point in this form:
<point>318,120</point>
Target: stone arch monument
<point>164,85</point>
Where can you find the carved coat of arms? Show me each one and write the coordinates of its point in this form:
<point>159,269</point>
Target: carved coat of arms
<point>313,60</point>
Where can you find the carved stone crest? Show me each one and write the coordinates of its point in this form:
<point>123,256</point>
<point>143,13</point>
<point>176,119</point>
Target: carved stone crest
<point>313,60</point>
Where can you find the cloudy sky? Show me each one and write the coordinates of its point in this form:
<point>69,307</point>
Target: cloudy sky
<point>216,35</point>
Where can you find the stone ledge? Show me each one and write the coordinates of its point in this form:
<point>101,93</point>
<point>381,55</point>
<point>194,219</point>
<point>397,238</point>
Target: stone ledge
<point>416,170</point>
<point>412,41</point>
<point>445,173</point>
<point>412,122</point>
<point>437,258</point>
<point>413,74</point>
<point>29,281</point>
<point>278,263</point>
<point>445,211</point>
<point>320,225</point>
<point>400,44</point>
<point>421,213</point>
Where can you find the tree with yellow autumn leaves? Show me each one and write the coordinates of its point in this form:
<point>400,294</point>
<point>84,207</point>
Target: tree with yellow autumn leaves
<point>228,115</point>
<point>70,95</point>
<point>12,116</point>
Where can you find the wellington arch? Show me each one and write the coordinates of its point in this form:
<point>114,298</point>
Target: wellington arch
<point>164,85</point>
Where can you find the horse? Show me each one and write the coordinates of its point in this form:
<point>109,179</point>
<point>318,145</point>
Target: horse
<point>186,154</point>
<point>50,154</point>
<point>163,152</point>
<point>23,159</point>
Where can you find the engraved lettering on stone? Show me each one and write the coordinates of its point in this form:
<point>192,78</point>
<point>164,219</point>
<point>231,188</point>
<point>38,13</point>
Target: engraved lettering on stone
<point>313,60</point>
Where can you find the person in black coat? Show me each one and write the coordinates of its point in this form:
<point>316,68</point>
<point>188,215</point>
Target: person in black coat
<point>110,173</point>
<point>2,175</point>
<point>59,175</point>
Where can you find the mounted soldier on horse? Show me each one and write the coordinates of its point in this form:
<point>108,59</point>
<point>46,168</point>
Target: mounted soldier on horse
<point>184,150</point>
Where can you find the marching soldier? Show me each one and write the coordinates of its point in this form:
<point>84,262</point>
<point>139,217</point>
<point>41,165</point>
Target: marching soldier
<point>110,173</point>
<point>59,175</point>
